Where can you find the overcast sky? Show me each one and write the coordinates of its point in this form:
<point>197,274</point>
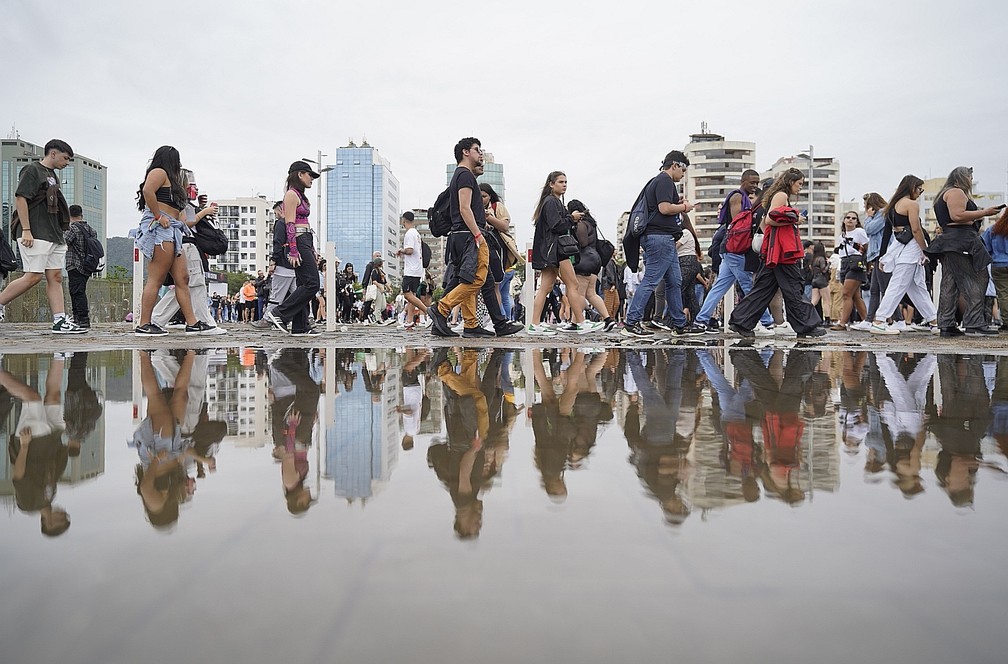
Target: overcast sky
<point>600,90</point>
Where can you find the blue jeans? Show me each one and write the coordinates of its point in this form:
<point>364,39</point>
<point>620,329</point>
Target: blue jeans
<point>661,263</point>
<point>507,302</point>
<point>732,270</point>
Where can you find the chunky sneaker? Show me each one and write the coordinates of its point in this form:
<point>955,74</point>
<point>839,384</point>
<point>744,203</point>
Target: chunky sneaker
<point>762,331</point>
<point>814,332</point>
<point>276,322</point>
<point>507,329</point>
<point>881,328</point>
<point>635,330</point>
<point>149,330</point>
<point>865,326</point>
<point>66,326</point>
<point>541,330</point>
<point>742,332</point>
<point>199,327</point>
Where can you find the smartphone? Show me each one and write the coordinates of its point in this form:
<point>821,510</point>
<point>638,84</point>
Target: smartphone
<point>999,207</point>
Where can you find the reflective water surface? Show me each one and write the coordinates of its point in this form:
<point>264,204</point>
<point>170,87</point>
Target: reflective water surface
<point>294,505</point>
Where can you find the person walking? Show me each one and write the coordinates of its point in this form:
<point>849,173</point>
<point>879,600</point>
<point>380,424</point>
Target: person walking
<point>413,268</point>
<point>665,208</point>
<point>904,260</point>
<point>41,218</point>
<point>76,238</point>
<point>161,199</point>
<point>589,265</point>
<point>782,252</point>
<point>820,269</point>
<point>879,236</point>
<point>995,239</point>
<point>962,253</point>
<point>300,251</point>
<point>551,221</point>
<point>852,243</point>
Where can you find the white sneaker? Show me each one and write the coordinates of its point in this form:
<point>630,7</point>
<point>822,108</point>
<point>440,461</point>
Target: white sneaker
<point>540,330</point>
<point>882,328</point>
<point>862,326</point>
<point>784,330</point>
<point>762,331</point>
<point>3,313</point>
<point>899,325</point>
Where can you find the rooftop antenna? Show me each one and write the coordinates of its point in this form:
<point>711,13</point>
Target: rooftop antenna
<point>14,133</point>
<point>703,127</point>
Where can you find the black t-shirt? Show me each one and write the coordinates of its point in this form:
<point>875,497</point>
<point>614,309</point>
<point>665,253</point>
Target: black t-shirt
<point>45,225</point>
<point>464,179</point>
<point>662,190</point>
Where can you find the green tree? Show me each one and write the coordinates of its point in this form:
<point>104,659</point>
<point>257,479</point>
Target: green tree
<point>118,272</point>
<point>236,280</point>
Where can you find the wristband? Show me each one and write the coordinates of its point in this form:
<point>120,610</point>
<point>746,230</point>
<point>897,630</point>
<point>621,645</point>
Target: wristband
<point>478,235</point>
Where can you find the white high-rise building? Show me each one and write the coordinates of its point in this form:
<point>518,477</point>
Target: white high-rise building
<point>248,223</point>
<point>822,215</point>
<point>715,169</point>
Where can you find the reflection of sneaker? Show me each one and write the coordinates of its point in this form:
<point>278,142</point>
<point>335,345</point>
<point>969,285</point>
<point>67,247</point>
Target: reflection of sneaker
<point>882,328</point>
<point>541,330</point>
<point>762,331</point>
<point>66,326</point>
<point>863,326</point>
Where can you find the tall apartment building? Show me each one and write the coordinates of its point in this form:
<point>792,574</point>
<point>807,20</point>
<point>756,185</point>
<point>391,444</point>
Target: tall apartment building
<point>83,182</point>
<point>248,223</point>
<point>362,208</point>
<point>825,196</point>
<point>716,165</point>
<point>493,175</point>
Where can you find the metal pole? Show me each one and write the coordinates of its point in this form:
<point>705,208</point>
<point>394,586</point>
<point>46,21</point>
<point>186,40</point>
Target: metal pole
<point>811,187</point>
<point>318,217</point>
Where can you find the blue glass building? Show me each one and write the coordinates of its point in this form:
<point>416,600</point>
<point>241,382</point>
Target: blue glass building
<point>362,213</point>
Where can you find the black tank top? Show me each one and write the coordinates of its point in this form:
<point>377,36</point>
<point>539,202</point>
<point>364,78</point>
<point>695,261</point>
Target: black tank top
<point>942,212</point>
<point>164,195</point>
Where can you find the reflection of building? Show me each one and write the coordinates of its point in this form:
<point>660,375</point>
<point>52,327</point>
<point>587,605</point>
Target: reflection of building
<point>823,213</point>
<point>235,394</point>
<point>248,223</point>
<point>715,169</point>
<point>363,436</point>
<point>83,183</point>
<point>362,203</point>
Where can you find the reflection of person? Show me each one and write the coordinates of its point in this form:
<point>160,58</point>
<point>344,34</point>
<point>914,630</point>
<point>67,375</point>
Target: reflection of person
<point>903,416</point>
<point>459,462</point>
<point>960,423</point>
<point>83,408</point>
<point>294,411</point>
<point>413,394</point>
<point>37,454</point>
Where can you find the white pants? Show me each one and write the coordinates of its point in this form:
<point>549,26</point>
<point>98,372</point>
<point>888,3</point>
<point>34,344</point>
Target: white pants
<point>168,305</point>
<point>907,279</point>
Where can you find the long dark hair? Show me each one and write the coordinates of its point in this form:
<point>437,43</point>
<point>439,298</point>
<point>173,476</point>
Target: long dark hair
<point>165,157</point>
<point>294,182</point>
<point>577,206</point>
<point>486,188</point>
<point>547,190</point>
<point>783,182</point>
<point>905,188</point>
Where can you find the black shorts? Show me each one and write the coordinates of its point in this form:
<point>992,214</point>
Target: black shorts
<point>410,284</point>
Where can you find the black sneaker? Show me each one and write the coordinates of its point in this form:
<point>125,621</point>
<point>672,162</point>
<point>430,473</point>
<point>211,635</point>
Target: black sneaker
<point>507,329</point>
<point>635,330</point>
<point>276,322</point>
<point>660,325</point>
<point>310,332</point>
<point>199,327</point>
<point>471,332</point>
<point>691,330</point>
<point>711,328</point>
<point>741,331</point>
<point>439,324</point>
<point>981,331</point>
<point>609,327</point>
<point>814,332</point>
<point>149,330</point>
<point>951,332</point>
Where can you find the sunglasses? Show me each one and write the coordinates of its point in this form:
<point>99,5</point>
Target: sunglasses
<point>682,166</point>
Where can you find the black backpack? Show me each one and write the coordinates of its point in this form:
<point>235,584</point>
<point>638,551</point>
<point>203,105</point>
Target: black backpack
<point>93,255</point>
<point>439,216</point>
<point>209,239</point>
<point>425,253</point>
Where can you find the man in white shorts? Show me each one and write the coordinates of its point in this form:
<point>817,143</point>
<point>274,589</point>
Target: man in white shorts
<point>42,218</point>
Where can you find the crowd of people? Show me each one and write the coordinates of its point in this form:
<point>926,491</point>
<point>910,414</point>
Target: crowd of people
<point>877,278</point>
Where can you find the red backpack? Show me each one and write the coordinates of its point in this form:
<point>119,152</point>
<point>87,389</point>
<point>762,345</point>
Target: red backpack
<point>738,240</point>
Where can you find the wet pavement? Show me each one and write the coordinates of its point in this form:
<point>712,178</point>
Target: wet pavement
<point>258,503</point>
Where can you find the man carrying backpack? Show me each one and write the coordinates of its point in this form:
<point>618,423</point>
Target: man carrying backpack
<point>738,260</point>
<point>76,238</point>
<point>661,259</point>
<point>413,268</point>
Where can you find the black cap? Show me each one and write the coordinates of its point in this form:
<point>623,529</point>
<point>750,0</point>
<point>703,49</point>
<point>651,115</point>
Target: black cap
<point>302,166</point>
